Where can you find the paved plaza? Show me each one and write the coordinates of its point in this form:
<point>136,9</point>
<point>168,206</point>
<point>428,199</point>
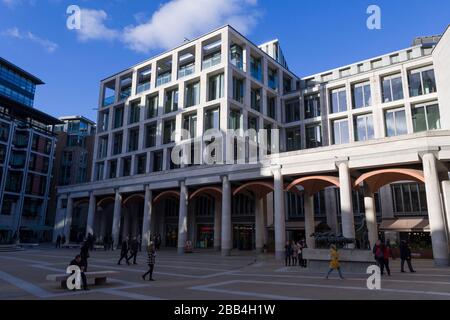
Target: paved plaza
<point>206,275</point>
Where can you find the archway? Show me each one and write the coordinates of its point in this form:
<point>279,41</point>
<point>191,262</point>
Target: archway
<point>165,218</point>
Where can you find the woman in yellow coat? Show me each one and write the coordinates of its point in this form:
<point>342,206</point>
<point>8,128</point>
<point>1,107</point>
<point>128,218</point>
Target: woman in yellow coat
<point>334,261</point>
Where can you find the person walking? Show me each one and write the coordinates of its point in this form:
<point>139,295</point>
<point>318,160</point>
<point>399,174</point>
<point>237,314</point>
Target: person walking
<point>387,253</point>
<point>77,262</point>
<point>378,253</point>
<point>84,254</point>
<point>134,247</point>
<point>287,254</point>
<point>158,241</point>
<point>334,262</point>
<point>63,239</point>
<point>124,252</point>
<point>58,241</point>
<point>300,254</point>
<point>139,240</point>
<point>405,255</point>
<point>151,255</point>
<point>294,253</point>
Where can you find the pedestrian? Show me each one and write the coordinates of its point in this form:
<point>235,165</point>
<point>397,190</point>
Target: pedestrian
<point>63,239</point>
<point>158,241</point>
<point>287,254</point>
<point>77,262</point>
<point>378,253</point>
<point>151,255</point>
<point>300,254</point>
<point>334,262</point>
<point>387,253</point>
<point>84,254</point>
<point>134,247</point>
<point>58,241</point>
<point>405,255</point>
<point>90,241</point>
<point>124,252</point>
<point>294,253</point>
<point>139,240</point>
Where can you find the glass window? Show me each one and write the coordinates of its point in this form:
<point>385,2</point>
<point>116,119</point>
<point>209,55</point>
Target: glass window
<point>340,131</point>
<point>338,100</point>
<point>102,147</point>
<point>117,143</point>
<point>272,107</point>
<point>215,87</point>
<point>171,103</point>
<point>292,110</point>
<point>395,122</point>
<point>112,169</point>
<point>235,119</point>
<point>133,139</point>
<point>362,95</point>
<point>4,132</point>
<point>236,57</point>
<point>392,88</point>
<point>141,163</point>
<point>14,181</point>
<point>118,117</point>
<point>150,135</point>
<point>364,127</point>
<point>135,112</point>
<point>256,99</point>
<point>272,80</point>
<point>293,141</point>
<point>238,89</point>
<point>169,128</point>
<point>212,119</point>
<point>312,106</point>
<point>192,95</point>
<point>186,69</point>
<point>409,199</point>
<point>99,167</point>
<point>313,136</point>
<point>157,161</point>
<point>426,117</point>
<point>126,166</point>
<point>256,68</point>
<point>190,125</point>
<point>152,106</point>
<point>421,81</point>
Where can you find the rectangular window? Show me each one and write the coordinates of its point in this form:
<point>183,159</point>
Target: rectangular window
<point>312,106</point>
<point>236,57</point>
<point>190,125</point>
<point>192,94</point>
<point>421,81</point>
<point>133,139</point>
<point>102,147</point>
<point>99,167</point>
<point>118,117</point>
<point>238,89</point>
<point>392,88</point>
<point>169,128</point>
<point>104,121</point>
<point>293,141</point>
<point>152,106</point>
<point>141,163</point>
<point>409,199</point>
<point>171,103</point>
<point>256,99</point>
<point>395,122</point>
<point>4,132</point>
<point>313,136</point>
<point>126,166</point>
<point>362,96</point>
<point>157,161</point>
<point>117,143</point>
<point>272,78</point>
<point>272,107</point>
<point>143,79</point>
<point>363,126</point>
<point>426,117</point>
<point>215,87</point>
<point>150,135</point>
<point>256,68</point>
<point>112,169</point>
<point>292,110</point>
<point>212,119</point>
<point>135,112</point>
<point>340,131</point>
<point>234,119</point>
<point>338,99</point>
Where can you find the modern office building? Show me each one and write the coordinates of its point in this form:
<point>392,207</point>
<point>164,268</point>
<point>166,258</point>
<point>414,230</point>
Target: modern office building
<point>364,149</point>
<point>73,160</point>
<point>27,146</point>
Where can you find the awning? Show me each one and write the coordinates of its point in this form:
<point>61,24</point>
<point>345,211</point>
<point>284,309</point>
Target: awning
<point>405,225</point>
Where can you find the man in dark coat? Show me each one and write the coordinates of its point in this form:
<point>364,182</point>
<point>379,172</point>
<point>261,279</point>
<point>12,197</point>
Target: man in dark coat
<point>84,253</point>
<point>58,241</point>
<point>405,255</point>
<point>124,252</point>
<point>78,262</point>
<point>134,250</point>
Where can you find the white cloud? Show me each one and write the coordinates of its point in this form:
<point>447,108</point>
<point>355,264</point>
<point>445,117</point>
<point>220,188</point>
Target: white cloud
<point>93,26</point>
<point>48,45</point>
<point>13,3</point>
<point>179,19</point>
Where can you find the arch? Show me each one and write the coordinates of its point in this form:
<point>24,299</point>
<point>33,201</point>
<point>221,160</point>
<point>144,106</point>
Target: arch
<point>167,194</point>
<point>314,184</point>
<point>378,178</point>
<point>136,195</point>
<point>259,188</point>
<point>104,199</point>
<point>78,202</point>
<point>215,192</point>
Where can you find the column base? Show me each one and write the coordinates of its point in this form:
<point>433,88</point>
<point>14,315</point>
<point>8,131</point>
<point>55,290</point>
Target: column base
<point>441,262</point>
<point>259,250</point>
<point>180,250</point>
<point>216,248</point>
<point>226,252</point>
<point>279,255</point>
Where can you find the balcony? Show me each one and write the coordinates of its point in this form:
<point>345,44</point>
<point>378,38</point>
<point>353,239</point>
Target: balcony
<point>125,93</point>
<point>108,101</point>
<point>184,71</point>
<point>143,87</point>
<point>212,60</point>
<point>163,78</point>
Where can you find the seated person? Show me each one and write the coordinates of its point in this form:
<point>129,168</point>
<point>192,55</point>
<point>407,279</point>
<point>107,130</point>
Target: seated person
<point>78,262</point>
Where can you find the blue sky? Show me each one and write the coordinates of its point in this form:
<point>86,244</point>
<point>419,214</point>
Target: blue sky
<point>116,34</point>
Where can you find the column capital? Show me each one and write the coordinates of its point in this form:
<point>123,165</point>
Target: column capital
<point>182,182</point>
<point>432,150</point>
<point>340,160</point>
<point>275,168</point>
<point>224,176</point>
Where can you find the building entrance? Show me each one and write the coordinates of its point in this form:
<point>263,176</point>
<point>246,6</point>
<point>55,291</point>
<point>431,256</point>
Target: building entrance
<point>244,236</point>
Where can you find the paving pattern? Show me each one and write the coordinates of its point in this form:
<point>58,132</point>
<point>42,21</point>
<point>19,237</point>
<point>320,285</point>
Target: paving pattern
<point>206,275</point>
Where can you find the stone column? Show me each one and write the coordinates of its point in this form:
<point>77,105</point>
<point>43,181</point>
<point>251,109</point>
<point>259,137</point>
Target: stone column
<point>217,223</point>
<point>446,196</point>
<point>259,225</point>
<point>331,209</point>
<point>116,218</point>
<point>309,221</point>
<point>182,218</point>
<point>279,219</point>
<point>435,213</point>
<point>147,218</point>
<point>126,224</point>
<point>371,216</point>
<point>347,218</point>
<point>59,220</point>
<point>91,214</point>
<point>227,240</point>
<point>68,220</point>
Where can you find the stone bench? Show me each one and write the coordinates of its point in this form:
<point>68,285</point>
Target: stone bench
<point>98,276</point>
<point>351,260</point>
